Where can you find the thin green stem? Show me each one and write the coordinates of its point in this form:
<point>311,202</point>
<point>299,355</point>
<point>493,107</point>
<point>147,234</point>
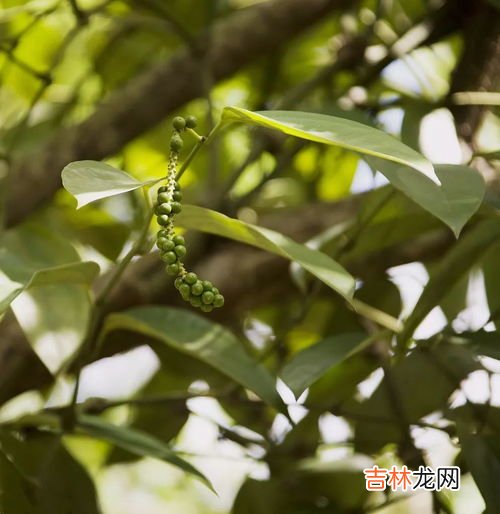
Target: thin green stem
<point>200,142</point>
<point>98,309</point>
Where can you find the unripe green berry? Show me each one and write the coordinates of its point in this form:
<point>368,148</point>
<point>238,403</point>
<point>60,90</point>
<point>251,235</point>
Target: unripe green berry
<point>207,285</point>
<point>185,291</point>
<point>176,144</point>
<point>206,308</point>
<point>172,269</point>
<point>161,241</point>
<point>207,297</point>
<point>197,288</point>
<point>163,208</point>
<point>176,207</point>
<point>177,196</point>
<point>191,122</point>
<point>169,257</point>
<point>162,233</point>
<point>167,245</point>
<point>215,291</point>
<point>190,278</point>
<point>218,300</point>
<point>179,123</point>
<point>163,220</point>
<point>180,251</point>
<point>178,282</point>
<point>195,301</point>
<point>177,187</point>
<point>179,240</point>
<point>163,198</point>
<point>162,189</point>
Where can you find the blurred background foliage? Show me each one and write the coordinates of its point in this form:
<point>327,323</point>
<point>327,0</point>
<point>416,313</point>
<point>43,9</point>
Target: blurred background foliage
<point>102,79</point>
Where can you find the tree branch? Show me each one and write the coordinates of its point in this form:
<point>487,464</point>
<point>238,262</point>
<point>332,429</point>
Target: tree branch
<point>145,101</point>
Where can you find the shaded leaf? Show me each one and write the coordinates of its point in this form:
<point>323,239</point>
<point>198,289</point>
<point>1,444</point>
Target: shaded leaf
<point>453,202</point>
<point>89,181</point>
<point>59,483</point>
<point>136,442</point>
<point>310,364</point>
<point>335,131</point>
<point>482,454</point>
<point>31,256</point>
<point>202,339</point>
<point>418,385</point>
<point>317,263</point>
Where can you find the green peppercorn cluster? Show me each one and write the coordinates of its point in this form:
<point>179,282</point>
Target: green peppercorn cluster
<point>199,293</point>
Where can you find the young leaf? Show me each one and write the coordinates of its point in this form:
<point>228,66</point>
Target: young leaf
<point>136,442</point>
<point>317,263</point>
<point>462,256</point>
<point>331,130</point>
<point>89,181</point>
<point>454,202</point>
<point>33,256</point>
<point>310,364</point>
<point>202,339</point>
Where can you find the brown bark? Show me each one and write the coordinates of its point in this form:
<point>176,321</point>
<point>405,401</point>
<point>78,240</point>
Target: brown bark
<point>149,98</point>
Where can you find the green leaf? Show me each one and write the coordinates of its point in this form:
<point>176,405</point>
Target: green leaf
<point>59,484</point>
<point>481,342</point>
<point>202,339</point>
<point>460,258</point>
<point>32,257</point>
<point>482,454</point>
<point>454,202</point>
<point>310,364</point>
<point>54,319</point>
<point>459,197</point>
<point>15,489</point>
<point>136,442</point>
<point>418,385</point>
<point>317,263</point>
<point>89,181</point>
<point>335,131</point>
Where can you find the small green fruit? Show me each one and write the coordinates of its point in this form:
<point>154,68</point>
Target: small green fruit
<point>190,278</point>
<point>207,297</point>
<point>172,269</point>
<point>195,301</point>
<point>185,291</point>
<point>206,308</point>
<point>177,196</point>
<point>162,189</point>
<point>176,207</point>
<point>163,208</point>
<point>168,245</point>
<point>218,300</point>
<point>163,198</point>
<point>169,257</point>
<point>180,251</point>
<point>207,285</point>
<point>179,123</point>
<point>191,122</point>
<point>163,220</point>
<point>178,282</point>
<point>176,144</point>
<point>197,288</point>
<point>179,240</point>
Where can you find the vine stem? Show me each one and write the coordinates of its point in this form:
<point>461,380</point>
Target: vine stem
<point>98,309</point>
